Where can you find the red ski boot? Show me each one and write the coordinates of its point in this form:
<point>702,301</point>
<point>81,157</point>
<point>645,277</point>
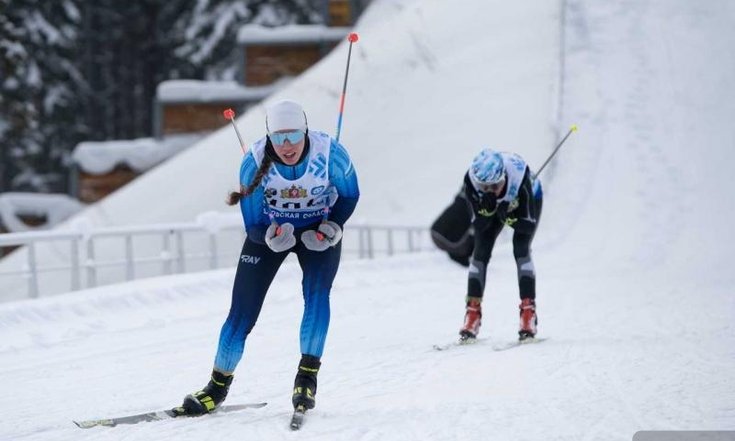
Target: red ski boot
<point>529,320</point>
<point>472,319</point>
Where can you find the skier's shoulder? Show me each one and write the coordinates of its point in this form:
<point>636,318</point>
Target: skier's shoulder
<point>248,165</point>
<point>514,162</point>
<point>339,158</point>
<point>257,151</point>
<point>319,141</point>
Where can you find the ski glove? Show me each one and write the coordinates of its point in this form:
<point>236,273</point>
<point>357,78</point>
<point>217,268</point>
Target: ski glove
<point>501,213</point>
<point>484,204</point>
<point>280,238</point>
<point>327,235</point>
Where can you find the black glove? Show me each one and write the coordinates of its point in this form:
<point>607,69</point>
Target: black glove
<point>485,204</point>
<point>501,214</point>
<point>510,220</point>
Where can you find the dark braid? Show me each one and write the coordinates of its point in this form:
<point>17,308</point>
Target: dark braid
<point>235,196</point>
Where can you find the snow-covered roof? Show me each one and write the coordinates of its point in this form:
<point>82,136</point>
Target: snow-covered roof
<point>177,91</point>
<point>138,154</point>
<point>257,34</point>
<point>56,208</point>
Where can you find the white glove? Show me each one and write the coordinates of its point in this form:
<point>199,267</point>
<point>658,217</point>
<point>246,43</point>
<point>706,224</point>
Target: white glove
<point>280,238</point>
<point>327,235</point>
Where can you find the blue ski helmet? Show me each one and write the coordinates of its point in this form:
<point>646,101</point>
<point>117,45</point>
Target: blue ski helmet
<point>487,168</point>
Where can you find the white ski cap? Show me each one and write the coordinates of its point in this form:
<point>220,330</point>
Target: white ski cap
<point>285,115</point>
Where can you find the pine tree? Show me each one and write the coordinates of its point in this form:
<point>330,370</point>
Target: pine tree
<point>210,30</point>
<point>38,93</point>
<point>74,70</point>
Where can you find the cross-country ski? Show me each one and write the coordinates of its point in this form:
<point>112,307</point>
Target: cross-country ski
<point>159,415</point>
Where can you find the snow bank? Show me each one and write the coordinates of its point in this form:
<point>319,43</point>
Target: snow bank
<point>138,154</point>
<point>55,208</point>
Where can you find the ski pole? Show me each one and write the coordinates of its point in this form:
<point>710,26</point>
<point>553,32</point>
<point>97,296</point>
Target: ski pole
<point>230,114</point>
<point>353,37</point>
<point>571,129</point>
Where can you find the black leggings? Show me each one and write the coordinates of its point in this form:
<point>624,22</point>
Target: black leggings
<point>484,244</point>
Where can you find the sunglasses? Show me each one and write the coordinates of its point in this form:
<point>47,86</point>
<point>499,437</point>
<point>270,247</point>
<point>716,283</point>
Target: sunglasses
<point>293,136</point>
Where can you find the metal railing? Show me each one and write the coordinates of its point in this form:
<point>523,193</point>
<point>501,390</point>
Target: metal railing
<point>89,258</point>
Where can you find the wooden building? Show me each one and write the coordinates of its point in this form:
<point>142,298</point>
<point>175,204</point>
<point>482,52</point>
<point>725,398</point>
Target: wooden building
<point>338,13</point>
<point>270,54</point>
<point>190,106</point>
<point>100,168</point>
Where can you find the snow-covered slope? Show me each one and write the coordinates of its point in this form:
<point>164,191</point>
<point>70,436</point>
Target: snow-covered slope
<point>615,362</point>
<point>633,254</point>
<point>647,183</point>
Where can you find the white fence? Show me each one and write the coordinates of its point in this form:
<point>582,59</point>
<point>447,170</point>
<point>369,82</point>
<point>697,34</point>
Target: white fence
<point>86,258</point>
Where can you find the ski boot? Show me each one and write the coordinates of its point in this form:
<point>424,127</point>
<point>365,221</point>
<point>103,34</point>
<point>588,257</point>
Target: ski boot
<point>472,319</point>
<point>527,328</point>
<point>304,388</point>
<point>209,398</point>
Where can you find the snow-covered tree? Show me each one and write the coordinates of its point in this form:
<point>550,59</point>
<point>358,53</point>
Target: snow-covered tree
<point>125,53</point>
<point>39,90</point>
<point>209,30</point>
<point>73,70</point>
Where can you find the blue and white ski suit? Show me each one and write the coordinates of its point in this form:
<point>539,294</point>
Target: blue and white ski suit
<point>324,180</point>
